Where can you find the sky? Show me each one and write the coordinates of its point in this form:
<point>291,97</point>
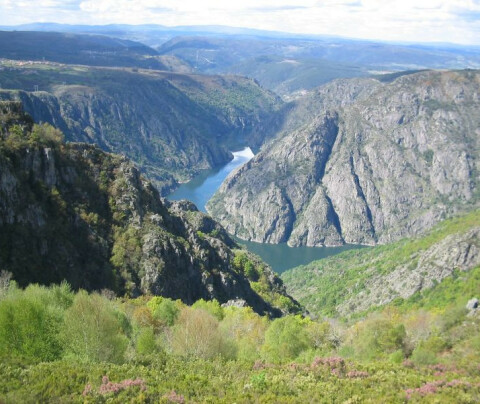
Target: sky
<point>454,21</point>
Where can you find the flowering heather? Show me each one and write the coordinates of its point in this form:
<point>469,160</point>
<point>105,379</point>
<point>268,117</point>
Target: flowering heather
<point>408,364</point>
<point>332,363</point>
<point>439,367</point>
<point>260,365</point>
<point>87,390</point>
<point>109,387</point>
<point>426,389</point>
<point>433,387</point>
<point>335,365</point>
<point>174,397</point>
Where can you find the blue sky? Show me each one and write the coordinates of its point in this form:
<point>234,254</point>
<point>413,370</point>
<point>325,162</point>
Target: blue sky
<point>456,21</point>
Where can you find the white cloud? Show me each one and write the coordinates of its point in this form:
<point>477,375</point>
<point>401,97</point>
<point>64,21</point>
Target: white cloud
<point>408,20</point>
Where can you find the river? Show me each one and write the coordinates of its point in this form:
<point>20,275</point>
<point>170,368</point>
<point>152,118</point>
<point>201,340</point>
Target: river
<point>279,256</point>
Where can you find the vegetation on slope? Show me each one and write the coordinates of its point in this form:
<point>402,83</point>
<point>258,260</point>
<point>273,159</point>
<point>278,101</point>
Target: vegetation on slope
<point>326,286</point>
<point>58,346</point>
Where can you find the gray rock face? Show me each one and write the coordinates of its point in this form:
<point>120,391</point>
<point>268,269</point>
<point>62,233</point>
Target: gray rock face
<point>170,125</point>
<point>363,162</point>
<point>472,304</point>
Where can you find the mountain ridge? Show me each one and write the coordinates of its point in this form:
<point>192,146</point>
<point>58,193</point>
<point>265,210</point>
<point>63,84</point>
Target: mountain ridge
<point>73,212</point>
<point>404,157</point>
<point>172,125</point>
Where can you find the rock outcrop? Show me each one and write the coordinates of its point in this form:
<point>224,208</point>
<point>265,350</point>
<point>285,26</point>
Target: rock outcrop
<point>457,252</point>
<point>362,161</point>
<point>73,212</point>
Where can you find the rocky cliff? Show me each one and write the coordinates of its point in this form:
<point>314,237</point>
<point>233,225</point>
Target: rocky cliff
<point>362,161</point>
<point>171,125</point>
<point>73,212</point>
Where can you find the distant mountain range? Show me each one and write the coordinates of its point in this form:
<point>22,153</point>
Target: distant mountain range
<point>282,62</point>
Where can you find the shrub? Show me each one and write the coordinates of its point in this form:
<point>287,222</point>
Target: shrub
<point>285,339</point>
<point>397,357</point>
<point>30,321</point>
<point>435,344</point>
<point>146,342</point>
<point>92,331</point>
<point>452,316</point>
<point>376,337</point>
<point>196,334</point>
<point>423,356</point>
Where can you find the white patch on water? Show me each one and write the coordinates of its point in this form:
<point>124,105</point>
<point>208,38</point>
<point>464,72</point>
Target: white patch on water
<point>239,159</point>
<point>201,188</point>
<point>245,153</point>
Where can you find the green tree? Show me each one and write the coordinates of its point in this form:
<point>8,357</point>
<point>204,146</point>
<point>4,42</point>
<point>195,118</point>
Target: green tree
<point>46,134</point>
<point>164,310</point>
<point>247,329</point>
<point>211,306</point>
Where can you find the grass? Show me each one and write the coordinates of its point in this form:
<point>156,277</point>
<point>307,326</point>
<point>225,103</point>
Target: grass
<point>323,285</point>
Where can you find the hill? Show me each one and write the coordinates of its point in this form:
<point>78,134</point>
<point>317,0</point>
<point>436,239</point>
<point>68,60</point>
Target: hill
<point>289,64</point>
<point>73,212</point>
<point>172,125</point>
<point>361,161</point>
<point>69,48</point>
<point>356,281</point>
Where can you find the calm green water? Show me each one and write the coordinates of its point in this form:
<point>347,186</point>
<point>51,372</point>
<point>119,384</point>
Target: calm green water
<point>200,189</point>
<point>282,257</point>
<point>279,256</point>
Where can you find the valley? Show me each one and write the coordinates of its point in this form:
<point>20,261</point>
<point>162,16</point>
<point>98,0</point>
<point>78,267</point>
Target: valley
<point>215,214</point>
<point>171,125</point>
<point>279,256</point>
